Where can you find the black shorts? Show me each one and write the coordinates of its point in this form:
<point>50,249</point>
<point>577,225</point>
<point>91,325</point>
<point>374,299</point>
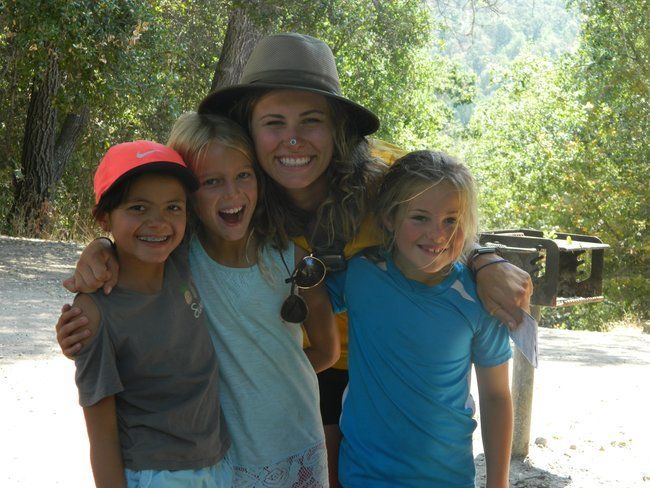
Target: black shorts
<point>331,383</point>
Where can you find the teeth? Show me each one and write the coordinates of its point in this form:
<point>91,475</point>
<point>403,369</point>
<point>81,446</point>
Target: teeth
<point>433,250</point>
<point>294,161</point>
<point>231,210</point>
<point>153,238</point>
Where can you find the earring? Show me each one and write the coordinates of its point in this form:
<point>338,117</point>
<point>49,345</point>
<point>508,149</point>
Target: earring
<point>293,141</point>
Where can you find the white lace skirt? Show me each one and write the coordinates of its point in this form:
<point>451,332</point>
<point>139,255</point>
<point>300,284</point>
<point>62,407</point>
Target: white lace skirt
<point>306,469</point>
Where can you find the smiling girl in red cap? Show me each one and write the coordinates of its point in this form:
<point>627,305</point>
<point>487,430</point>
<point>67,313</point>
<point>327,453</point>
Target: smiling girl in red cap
<point>147,376</point>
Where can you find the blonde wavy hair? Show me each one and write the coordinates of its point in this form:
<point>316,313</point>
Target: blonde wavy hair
<point>413,174</point>
<point>191,136</point>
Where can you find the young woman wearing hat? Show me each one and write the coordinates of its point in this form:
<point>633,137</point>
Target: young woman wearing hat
<point>310,142</point>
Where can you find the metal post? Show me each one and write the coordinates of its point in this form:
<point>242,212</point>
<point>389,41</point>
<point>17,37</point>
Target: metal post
<point>523,378</point>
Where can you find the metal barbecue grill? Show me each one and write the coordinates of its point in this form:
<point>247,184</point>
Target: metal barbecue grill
<point>566,270</point>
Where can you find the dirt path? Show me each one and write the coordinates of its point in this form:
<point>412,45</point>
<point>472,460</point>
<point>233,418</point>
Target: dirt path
<point>590,404</point>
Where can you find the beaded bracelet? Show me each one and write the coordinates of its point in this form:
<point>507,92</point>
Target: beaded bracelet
<point>500,260</point>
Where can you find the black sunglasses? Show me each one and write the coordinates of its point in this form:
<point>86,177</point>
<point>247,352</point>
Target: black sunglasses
<point>309,272</point>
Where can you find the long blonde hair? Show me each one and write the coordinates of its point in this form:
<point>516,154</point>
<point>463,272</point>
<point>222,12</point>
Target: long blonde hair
<point>191,136</point>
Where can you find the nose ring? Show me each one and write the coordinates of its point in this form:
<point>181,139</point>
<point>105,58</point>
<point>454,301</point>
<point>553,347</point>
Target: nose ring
<point>293,141</point>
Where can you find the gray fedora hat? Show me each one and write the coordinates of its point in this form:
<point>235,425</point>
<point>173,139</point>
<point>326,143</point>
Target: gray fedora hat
<point>295,62</point>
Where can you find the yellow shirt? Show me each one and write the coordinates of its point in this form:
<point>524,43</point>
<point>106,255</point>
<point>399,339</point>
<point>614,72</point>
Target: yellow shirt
<point>368,236</point>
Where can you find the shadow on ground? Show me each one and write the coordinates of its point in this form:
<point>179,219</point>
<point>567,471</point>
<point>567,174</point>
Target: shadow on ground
<point>523,475</point>
<point>31,295</point>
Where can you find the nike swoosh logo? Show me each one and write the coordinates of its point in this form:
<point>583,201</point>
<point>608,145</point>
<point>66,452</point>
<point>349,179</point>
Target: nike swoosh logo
<point>145,154</point>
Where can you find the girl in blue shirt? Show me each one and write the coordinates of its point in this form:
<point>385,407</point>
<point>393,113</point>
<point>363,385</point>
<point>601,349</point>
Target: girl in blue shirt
<point>416,328</point>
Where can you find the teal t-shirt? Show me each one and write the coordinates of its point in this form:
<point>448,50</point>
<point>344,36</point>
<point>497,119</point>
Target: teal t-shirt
<point>407,413</point>
<point>269,390</point>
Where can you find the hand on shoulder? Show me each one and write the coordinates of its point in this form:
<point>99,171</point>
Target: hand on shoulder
<point>89,310</point>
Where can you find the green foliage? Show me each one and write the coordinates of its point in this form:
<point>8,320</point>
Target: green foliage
<point>93,41</point>
<point>494,34</point>
<point>521,141</point>
<point>562,145</point>
<point>174,69</point>
<point>555,130</point>
<point>89,38</point>
<point>6,192</point>
<point>139,65</point>
<point>616,76</point>
<point>614,69</point>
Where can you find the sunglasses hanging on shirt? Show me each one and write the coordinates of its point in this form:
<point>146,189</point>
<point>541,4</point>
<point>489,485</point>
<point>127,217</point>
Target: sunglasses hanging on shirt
<point>309,273</point>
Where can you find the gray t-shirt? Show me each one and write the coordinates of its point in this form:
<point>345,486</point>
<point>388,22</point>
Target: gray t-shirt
<point>154,353</point>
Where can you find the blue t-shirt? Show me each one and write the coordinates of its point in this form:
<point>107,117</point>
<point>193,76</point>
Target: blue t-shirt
<point>407,415</point>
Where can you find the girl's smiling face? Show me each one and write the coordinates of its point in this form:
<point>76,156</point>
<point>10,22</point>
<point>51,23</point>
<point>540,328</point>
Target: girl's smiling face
<point>428,237</point>
<point>227,194</point>
<point>150,222</point>
<point>284,116</point>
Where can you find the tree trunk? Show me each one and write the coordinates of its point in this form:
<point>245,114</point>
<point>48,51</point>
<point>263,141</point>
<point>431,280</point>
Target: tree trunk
<point>44,156</point>
<point>241,36</point>
<point>8,96</point>
<point>71,132</point>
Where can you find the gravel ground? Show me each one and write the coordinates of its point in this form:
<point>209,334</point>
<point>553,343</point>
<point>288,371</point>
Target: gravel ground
<point>589,424</point>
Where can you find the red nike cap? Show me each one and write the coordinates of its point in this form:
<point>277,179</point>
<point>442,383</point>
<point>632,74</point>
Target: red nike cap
<point>137,157</point>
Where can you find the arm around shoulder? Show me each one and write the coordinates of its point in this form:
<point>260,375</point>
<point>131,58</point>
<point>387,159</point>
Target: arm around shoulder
<point>504,289</point>
<point>89,310</point>
<point>97,268</point>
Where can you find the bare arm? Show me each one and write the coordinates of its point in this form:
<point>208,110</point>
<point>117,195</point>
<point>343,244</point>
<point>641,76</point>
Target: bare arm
<point>105,454</point>
<point>97,267</point>
<point>324,346</point>
<point>496,422</point>
<point>101,418</point>
<point>76,325</point>
<point>504,289</point>
<point>71,330</point>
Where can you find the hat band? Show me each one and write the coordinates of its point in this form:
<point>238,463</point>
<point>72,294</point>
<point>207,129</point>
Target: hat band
<point>299,79</point>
